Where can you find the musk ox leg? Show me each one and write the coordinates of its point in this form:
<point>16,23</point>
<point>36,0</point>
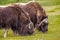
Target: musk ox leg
<point>6,32</point>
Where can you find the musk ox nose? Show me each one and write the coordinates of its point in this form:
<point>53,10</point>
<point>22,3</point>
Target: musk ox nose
<point>45,31</point>
<point>31,32</point>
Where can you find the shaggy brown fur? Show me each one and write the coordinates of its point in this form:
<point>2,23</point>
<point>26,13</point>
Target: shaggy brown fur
<point>15,18</point>
<point>37,15</point>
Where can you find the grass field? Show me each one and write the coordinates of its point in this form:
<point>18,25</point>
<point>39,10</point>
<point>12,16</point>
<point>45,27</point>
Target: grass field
<point>53,12</point>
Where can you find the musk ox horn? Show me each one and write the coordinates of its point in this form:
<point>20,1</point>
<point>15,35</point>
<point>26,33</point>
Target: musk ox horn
<point>30,24</point>
<point>44,20</point>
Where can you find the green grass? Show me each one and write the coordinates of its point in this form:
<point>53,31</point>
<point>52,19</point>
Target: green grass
<point>53,10</point>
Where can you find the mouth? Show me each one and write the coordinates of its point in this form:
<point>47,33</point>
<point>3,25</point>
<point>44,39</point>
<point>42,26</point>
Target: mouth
<point>44,31</point>
<point>31,32</point>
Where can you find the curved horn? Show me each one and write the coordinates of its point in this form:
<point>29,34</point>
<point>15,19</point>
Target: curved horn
<point>44,20</point>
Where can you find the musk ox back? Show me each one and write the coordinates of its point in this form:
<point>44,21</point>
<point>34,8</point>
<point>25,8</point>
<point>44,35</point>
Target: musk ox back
<point>16,18</point>
<point>37,15</point>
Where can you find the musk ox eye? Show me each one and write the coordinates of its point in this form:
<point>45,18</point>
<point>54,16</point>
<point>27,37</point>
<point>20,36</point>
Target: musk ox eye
<point>42,23</point>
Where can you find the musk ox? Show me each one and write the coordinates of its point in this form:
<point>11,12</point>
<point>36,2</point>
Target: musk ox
<point>17,19</point>
<point>37,15</point>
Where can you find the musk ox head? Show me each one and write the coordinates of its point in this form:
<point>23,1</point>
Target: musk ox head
<point>43,26</point>
<point>42,19</point>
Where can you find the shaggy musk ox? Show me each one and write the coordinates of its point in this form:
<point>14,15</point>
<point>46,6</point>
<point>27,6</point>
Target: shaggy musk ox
<point>37,15</point>
<point>17,19</point>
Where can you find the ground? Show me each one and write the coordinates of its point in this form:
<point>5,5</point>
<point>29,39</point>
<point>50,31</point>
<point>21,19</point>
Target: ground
<point>53,12</point>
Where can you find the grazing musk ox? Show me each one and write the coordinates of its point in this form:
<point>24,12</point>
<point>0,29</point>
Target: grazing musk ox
<point>25,26</point>
<point>15,18</point>
<point>37,15</point>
